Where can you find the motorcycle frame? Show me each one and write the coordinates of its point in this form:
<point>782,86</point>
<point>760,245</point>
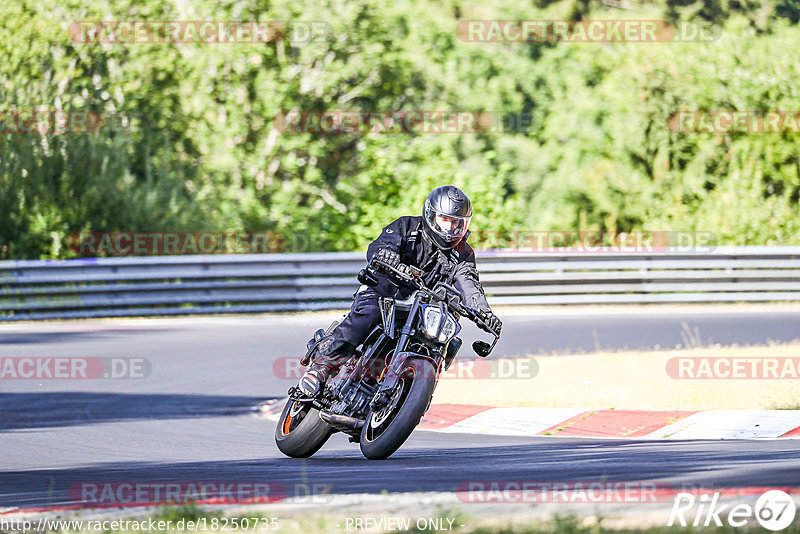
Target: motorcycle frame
<point>391,376</point>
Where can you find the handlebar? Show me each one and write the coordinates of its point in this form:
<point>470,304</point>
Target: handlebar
<point>410,275</point>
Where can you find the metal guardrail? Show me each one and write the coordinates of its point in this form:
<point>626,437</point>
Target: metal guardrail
<point>176,285</point>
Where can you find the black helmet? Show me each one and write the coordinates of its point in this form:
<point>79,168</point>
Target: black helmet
<point>447,214</point>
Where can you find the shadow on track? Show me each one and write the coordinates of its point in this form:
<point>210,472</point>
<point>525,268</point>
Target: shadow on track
<point>22,338</point>
<point>22,411</point>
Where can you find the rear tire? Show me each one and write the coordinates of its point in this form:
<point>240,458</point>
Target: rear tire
<point>381,440</point>
<point>300,432</point>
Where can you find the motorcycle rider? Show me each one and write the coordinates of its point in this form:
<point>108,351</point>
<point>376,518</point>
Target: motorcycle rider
<point>436,243</point>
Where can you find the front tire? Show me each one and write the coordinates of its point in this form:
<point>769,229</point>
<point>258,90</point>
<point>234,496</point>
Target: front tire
<point>300,432</point>
<point>385,431</point>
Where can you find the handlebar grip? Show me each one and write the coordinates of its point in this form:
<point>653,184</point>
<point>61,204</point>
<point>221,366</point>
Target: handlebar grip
<point>480,320</point>
<point>406,273</point>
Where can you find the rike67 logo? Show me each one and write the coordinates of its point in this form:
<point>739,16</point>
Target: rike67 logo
<point>774,510</point>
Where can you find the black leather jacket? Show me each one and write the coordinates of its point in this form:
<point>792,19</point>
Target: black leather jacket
<point>456,267</point>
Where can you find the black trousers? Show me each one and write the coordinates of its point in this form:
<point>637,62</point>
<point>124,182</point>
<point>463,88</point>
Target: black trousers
<point>363,317</point>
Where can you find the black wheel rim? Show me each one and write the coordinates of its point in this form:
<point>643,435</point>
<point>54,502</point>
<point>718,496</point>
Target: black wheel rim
<point>378,422</point>
<point>294,416</point>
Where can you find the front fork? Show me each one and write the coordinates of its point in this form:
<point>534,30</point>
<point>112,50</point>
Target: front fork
<point>391,376</point>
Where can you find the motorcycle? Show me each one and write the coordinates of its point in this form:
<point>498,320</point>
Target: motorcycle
<point>381,393</point>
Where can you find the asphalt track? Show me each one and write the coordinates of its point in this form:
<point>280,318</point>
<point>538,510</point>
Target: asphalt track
<point>190,419</point>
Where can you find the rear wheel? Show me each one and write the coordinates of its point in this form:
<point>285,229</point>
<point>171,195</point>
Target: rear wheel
<point>386,430</point>
<point>300,431</point>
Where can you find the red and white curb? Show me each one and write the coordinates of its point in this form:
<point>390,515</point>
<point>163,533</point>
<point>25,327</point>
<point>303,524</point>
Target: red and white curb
<point>580,423</point>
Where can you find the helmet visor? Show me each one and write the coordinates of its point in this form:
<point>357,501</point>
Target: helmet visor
<point>446,225</point>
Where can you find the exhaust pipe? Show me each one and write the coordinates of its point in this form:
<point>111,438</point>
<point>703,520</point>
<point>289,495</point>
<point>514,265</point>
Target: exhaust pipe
<point>350,423</point>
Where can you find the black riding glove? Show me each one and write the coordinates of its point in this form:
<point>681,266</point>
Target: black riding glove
<point>493,322</point>
<point>388,256</point>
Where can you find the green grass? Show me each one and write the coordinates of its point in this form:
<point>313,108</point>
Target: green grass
<point>190,512</point>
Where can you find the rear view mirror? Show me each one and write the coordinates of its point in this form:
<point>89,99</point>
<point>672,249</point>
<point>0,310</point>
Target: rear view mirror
<point>481,348</point>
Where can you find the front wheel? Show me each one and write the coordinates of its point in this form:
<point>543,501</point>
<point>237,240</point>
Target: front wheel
<point>386,430</point>
<point>300,431</point>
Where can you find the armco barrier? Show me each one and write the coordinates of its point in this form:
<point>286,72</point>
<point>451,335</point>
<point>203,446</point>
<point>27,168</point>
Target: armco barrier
<point>175,285</point>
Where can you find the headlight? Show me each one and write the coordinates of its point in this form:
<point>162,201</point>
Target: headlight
<point>431,317</point>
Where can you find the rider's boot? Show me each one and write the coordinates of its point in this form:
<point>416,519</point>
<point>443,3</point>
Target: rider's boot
<point>332,353</point>
<point>313,380</point>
